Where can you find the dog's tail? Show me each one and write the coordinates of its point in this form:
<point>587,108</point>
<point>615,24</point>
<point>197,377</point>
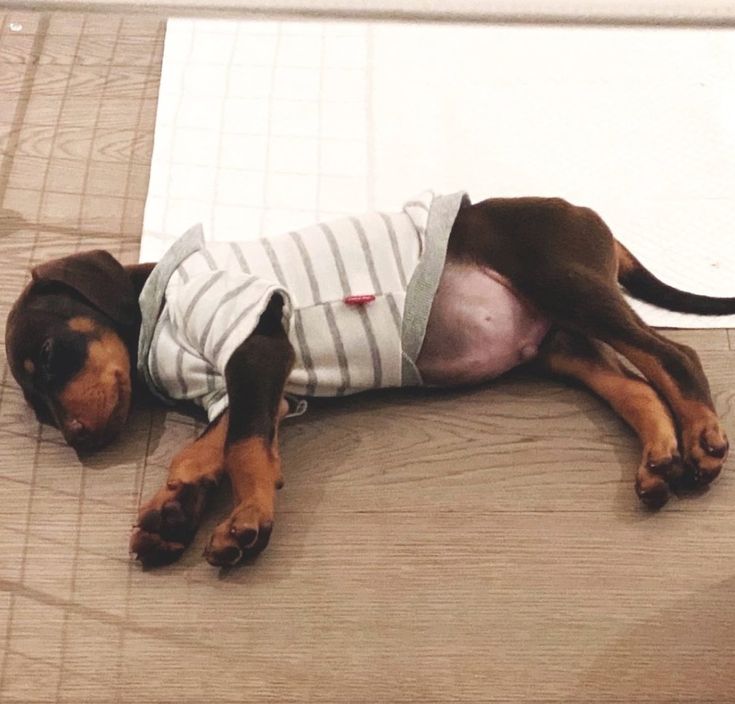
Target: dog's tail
<point>641,283</point>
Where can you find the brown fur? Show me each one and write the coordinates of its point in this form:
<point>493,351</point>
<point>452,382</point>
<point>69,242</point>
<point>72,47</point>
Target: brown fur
<point>634,400</point>
<point>560,258</point>
<point>168,521</point>
<point>255,471</point>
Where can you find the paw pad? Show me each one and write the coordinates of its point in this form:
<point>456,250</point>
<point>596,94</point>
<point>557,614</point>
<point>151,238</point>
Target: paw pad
<point>714,447</point>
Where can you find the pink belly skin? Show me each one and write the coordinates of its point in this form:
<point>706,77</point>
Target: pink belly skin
<point>478,328</point>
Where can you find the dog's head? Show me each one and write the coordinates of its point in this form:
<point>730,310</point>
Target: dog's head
<point>70,341</point>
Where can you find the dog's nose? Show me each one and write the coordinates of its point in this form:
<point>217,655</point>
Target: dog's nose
<point>85,439</point>
<point>75,433</point>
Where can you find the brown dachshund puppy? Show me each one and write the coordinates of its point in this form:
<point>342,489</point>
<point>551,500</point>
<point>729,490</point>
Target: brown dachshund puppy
<point>543,267</point>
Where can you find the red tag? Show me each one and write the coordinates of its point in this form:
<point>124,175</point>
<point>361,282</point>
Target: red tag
<point>359,300</point>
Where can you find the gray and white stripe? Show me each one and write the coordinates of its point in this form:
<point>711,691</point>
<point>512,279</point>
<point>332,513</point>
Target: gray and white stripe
<point>211,296</point>
<point>369,332</point>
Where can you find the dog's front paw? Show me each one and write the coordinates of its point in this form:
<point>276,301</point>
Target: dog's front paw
<point>168,522</point>
<point>243,535</point>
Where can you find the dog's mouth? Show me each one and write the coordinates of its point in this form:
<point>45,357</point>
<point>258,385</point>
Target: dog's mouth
<point>93,431</point>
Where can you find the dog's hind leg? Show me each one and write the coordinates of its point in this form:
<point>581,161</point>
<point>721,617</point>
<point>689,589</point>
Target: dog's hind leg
<point>564,261</point>
<point>256,375</point>
<point>675,370</point>
<point>598,368</point>
<point>168,521</point>
<point>598,310</point>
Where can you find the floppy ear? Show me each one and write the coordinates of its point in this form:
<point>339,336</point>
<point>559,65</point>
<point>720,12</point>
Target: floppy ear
<point>97,277</point>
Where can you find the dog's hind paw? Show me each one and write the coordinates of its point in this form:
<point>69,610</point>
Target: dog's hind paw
<point>168,522</point>
<point>661,463</point>
<point>705,447</point>
<point>652,490</point>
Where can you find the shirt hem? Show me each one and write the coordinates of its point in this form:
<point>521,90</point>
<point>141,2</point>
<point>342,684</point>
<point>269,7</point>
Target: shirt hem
<point>151,298</point>
<point>424,282</point>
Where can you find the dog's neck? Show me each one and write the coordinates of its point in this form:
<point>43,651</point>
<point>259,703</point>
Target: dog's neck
<point>139,274</point>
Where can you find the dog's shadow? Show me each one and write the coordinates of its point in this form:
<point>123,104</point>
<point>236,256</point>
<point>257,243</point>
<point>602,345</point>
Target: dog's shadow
<point>673,651</point>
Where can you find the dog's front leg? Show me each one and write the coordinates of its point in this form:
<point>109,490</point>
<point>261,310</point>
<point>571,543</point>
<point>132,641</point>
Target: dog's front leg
<point>168,521</point>
<point>256,374</point>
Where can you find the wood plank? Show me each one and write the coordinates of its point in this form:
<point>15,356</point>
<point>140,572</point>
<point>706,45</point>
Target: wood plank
<point>423,607</point>
<point>99,178</point>
<point>80,142</point>
<point>47,202</point>
<point>95,50</point>
<point>103,50</point>
<point>712,339</point>
<point>15,49</point>
<point>20,21</point>
<point>83,81</point>
<point>107,113</point>
<point>7,112</point>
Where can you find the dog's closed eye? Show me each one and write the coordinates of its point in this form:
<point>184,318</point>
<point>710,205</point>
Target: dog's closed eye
<point>59,358</point>
<point>45,358</point>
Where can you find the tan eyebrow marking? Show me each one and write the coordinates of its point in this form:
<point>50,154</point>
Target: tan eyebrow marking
<point>81,324</point>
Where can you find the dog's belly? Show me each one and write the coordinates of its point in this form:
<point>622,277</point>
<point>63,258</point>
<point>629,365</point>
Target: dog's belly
<point>478,328</point>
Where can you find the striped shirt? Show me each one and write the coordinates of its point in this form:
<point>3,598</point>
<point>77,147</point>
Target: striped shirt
<point>357,294</point>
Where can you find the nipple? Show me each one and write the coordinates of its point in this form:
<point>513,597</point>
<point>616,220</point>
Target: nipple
<point>528,352</point>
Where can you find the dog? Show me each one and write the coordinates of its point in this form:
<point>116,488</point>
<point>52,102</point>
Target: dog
<point>447,293</point>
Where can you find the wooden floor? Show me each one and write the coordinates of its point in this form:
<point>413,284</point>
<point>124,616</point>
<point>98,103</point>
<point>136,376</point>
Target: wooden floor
<point>484,546</point>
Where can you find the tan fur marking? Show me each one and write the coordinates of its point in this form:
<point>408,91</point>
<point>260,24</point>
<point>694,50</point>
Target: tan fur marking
<point>639,404</point>
<point>254,468</point>
<point>204,458</point>
<point>652,368</point>
<point>29,366</point>
<point>193,470</point>
<point>82,324</point>
<point>698,421</point>
<point>99,395</point>
<point>636,402</point>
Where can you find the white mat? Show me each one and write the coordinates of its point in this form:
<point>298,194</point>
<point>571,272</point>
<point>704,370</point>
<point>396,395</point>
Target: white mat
<point>266,126</point>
